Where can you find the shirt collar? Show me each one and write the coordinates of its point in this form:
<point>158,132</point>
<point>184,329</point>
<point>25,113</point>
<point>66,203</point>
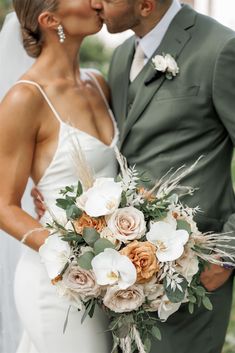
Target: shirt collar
<point>151,41</point>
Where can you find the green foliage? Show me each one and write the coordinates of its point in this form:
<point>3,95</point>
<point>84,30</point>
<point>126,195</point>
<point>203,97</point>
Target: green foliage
<point>90,236</point>
<point>5,7</point>
<point>177,294</point>
<point>94,54</point>
<point>89,309</point>
<point>84,261</point>
<point>102,244</point>
<point>181,224</point>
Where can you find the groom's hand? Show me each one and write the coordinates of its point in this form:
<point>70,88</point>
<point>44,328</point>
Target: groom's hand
<point>214,277</point>
<point>38,202</point>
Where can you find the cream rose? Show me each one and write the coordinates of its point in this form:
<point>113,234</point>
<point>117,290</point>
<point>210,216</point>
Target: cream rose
<point>121,301</point>
<point>107,234</point>
<point>127,224</point>
<point>188,264</point>
<point>172,66</point>
<point>82,282</point>
<point>159,63</point>
<point>69,295</point>
<point>154,293</point>
<point>143,257</point>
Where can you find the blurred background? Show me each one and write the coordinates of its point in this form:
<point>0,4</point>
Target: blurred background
<point>96,52</point>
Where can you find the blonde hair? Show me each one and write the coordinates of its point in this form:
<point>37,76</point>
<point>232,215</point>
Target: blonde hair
<point>28,12</point>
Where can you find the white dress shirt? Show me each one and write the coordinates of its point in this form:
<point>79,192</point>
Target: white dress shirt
<point>151,41</point>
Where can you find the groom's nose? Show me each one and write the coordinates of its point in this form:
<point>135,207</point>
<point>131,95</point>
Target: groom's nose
<point>96,4</point>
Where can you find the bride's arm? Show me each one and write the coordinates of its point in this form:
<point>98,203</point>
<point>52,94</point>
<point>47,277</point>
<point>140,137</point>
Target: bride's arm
<point>19,126</point>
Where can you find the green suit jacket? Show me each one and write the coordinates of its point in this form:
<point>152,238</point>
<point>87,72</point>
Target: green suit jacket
<point>173,122</point>
<point>170,123</point>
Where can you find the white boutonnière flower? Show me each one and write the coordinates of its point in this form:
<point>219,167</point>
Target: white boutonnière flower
<point>166,63</point>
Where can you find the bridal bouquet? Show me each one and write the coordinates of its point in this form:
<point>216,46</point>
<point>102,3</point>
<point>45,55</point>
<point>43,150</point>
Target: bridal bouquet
<point>130,250</point>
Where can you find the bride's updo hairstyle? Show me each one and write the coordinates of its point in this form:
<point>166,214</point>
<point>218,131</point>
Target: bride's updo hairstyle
<point>28,12</point>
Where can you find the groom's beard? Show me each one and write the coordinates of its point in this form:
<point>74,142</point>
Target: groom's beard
<point>116,24</point>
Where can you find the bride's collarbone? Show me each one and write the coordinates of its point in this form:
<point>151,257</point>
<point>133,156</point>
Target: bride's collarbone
<point>81,109</point>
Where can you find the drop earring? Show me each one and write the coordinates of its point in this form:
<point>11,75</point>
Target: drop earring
<point>61,34</point>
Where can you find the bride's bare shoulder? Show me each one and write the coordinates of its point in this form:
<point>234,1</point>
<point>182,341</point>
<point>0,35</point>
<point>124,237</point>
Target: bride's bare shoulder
<point>23,95</point>
<point>23,100</point>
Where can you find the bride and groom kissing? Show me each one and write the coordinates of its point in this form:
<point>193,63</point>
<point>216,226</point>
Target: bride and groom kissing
<point>172,96</point>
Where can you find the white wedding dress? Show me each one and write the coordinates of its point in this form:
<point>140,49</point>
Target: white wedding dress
<point>41,310</point>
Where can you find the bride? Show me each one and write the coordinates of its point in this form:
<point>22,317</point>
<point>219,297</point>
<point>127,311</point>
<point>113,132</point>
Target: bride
<point>53,103</point>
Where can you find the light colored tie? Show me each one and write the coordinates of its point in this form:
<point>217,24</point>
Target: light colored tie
<point>137,63</point>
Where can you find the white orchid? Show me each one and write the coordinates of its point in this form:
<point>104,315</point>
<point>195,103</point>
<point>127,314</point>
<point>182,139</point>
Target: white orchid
<point>112,268</point>
<point>102,199</point>
<point>55,253</point>
<point>169,242</point>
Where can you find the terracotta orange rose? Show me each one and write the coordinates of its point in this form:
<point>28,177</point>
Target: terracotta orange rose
<point>86,221</point>
<point>143,256</point>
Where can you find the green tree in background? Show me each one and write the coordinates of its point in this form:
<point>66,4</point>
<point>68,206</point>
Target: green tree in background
<point>5,6</point>
<point>95,54</point>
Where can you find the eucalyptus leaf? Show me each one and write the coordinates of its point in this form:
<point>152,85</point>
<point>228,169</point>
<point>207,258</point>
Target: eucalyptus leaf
<point>181,224</point>
<point>156,333</point>
<point>73,212</point>
<point>79,189</point>
<point>147,345</point>
<point>191,308</point>
<point>71,236</point>
<point>66,319</point>
<point>207,303</point>
<point>69,188</point>
<point>192,299</point>
<point>101,244</point>
<point>88,305</point>
<point>92,310</point>
<point>63,203</point>
<point>69,239</point>
<point>200,291</point>
<point>84,260</point>
<point>90,235</point>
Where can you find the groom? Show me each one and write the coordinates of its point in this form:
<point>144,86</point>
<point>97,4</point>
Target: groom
<point>166,123</point>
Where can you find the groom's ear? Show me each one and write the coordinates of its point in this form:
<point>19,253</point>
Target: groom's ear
<point>48,20</point>
<point>146,7</point>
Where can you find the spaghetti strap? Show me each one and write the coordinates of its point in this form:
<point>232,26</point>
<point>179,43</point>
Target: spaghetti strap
<point>44,95</point>
<point>94,79</point>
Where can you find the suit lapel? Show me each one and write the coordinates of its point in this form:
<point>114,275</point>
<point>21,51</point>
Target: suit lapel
<point>173,44</point>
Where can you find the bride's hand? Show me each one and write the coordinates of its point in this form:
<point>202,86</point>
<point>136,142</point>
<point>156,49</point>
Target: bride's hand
<point>38,202</point>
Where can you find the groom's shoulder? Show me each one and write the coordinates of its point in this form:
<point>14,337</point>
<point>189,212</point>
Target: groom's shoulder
<point>212,28</point>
